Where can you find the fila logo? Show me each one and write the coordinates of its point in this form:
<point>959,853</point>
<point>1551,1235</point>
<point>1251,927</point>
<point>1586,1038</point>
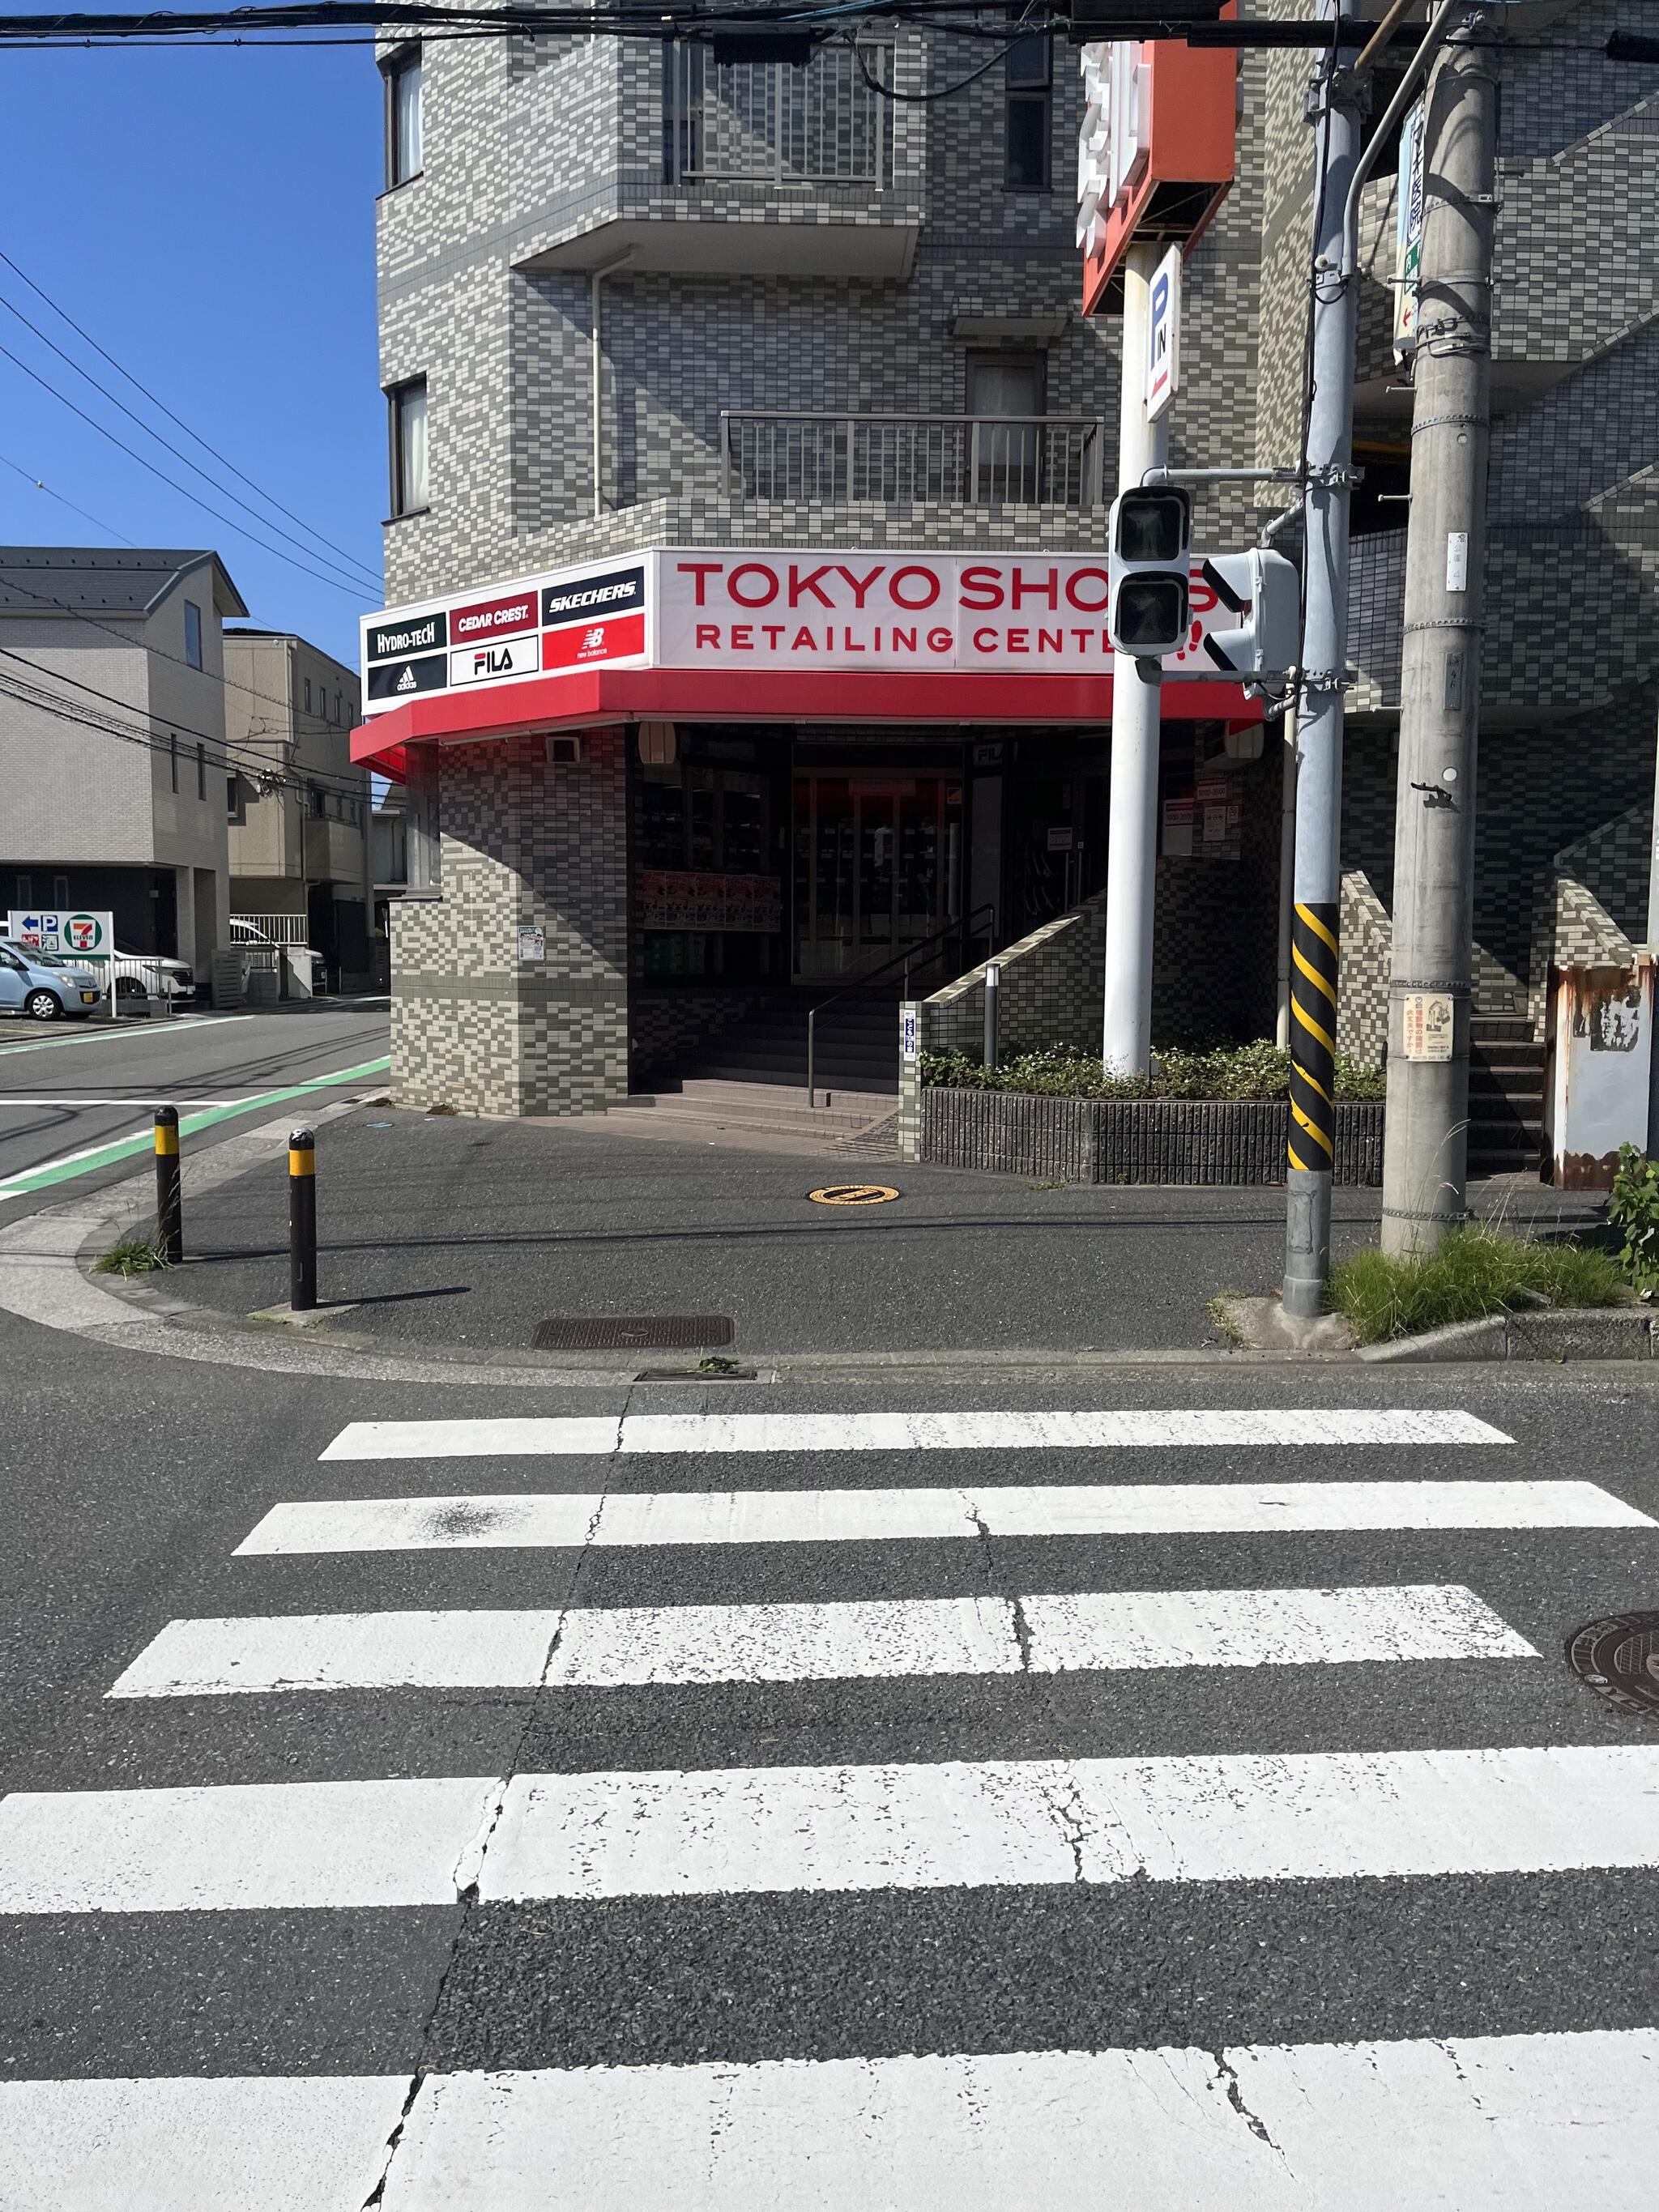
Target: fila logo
<point>492,664</point>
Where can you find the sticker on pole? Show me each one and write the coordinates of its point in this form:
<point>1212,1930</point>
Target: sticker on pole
<point>852,1193</point>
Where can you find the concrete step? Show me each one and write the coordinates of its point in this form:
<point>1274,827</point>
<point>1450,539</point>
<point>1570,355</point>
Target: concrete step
<point>846,1098</point>
<point>831,1122</point>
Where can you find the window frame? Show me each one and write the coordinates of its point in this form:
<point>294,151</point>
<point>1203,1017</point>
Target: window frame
<point>201,770</point>
<point>1023,92</point>
<point>195,656</point>
<point>393,70</point>
<point>396,396</point>
<point>172,759</point>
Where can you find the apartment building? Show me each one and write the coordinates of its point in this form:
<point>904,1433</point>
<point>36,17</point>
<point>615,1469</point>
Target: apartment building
<point>299,832</point>
<point>749,459</point>
<point>113,740</point>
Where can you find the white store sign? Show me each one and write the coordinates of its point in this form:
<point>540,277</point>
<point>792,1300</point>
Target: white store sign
<point>1163,335</point>
<point>694,608</point>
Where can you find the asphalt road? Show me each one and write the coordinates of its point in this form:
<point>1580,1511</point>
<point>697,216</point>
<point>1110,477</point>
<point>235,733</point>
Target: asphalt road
<point>68,1091</point>
<point>730,1948</point>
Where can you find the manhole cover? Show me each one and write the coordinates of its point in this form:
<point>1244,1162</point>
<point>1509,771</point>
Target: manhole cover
<point>652,1332</point>
<point>852,1193</point>
<point>1618,1659</point>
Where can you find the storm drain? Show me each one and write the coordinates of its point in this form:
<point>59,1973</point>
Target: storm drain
<point>1618,1659</point>
<point>636,1332</point>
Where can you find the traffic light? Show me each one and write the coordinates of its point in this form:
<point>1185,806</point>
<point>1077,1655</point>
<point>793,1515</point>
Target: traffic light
<point>1151,539</point>
<point>1262,591</point>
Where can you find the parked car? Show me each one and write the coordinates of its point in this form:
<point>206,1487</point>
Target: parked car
<point>152,976</point>
<point>261,951</point>
<point>44,984</point>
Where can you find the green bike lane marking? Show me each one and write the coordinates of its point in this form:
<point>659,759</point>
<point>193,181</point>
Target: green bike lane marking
<point>121,1148</point>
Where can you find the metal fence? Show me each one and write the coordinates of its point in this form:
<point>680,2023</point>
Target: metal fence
<point>963,460</point>
<point>822,123</point>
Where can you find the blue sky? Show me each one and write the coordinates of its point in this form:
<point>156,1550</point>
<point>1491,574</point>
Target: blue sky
<point>209,217</point>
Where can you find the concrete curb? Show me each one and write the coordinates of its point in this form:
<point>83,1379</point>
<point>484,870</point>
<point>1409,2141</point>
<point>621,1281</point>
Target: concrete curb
<point>1556,1333</point>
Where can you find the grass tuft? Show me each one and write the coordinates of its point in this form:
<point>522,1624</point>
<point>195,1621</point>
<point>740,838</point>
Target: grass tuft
<point>1476,1271</point>
<point>134,1255</point>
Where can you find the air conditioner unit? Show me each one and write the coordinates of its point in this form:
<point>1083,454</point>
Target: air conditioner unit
<point>563,751</point>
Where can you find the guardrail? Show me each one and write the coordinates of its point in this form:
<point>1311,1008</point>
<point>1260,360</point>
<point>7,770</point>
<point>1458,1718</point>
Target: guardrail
<point>770,122</point>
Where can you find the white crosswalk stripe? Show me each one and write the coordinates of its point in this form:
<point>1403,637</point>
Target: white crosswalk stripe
<point>504,1520</point>
<point>1474,2123</point>
<point>845,1642</point>
<point>1459,2124</point>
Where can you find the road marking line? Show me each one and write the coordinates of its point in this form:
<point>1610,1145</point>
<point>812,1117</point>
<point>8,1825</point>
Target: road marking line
<point>992,1824</point>
<point>34,1098</point>
<point>310,2143</point>
<point>506,1521</point>
<point>94,1157</point>
<point>126,1032</point>
<point>798,1432</point>
<point>1483,2123</point>
<point>245,1847</point>
<point>604,1647</point>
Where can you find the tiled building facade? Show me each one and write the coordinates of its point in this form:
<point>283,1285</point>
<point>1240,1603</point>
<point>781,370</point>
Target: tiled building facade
<point>583,199</point>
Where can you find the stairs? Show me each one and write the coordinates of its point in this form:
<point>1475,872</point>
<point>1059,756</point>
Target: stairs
<point>857,1045</point>
<point>1506,1097</point>
<point>754,1116</point>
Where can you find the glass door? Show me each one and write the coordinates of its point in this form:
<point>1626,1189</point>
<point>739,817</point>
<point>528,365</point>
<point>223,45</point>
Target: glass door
<point>871,874</point>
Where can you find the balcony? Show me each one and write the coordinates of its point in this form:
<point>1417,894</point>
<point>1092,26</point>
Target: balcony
<point>941,460</point>
<point>743,168</point>
<point>730,122</point>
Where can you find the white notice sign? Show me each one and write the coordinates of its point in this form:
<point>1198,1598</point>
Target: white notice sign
<point>1457,560</point>
<point>1428,1026</point>
<point>1163,335</point>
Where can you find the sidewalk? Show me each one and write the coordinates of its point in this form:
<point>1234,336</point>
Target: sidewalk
<point>444,1231</point>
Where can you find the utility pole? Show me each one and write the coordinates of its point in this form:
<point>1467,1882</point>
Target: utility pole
<point>1132,832</point>
<point>1334,105</point>
<point>1425,1149</point>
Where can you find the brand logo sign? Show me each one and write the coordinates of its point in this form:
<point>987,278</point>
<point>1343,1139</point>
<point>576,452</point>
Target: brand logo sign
<point>493,619</point>
<point>396,641</point>
<point>593,598</point>
<point>489,664</point>
<point>403,679</point>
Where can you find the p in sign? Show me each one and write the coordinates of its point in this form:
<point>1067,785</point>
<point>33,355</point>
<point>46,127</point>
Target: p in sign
<point>1163,335</point>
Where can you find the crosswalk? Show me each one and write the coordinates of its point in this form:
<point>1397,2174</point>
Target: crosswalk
<point>1079,1587</point>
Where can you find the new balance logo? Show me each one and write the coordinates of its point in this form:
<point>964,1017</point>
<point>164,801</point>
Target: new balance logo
<point>592,640</point>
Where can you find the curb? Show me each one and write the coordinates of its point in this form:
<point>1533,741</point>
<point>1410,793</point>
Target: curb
<point>1556,1334</point>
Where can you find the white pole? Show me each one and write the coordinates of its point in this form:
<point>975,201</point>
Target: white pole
<point>1286,873</point>
<point>1132,836</point>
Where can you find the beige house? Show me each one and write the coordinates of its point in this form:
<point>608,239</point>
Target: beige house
<point>299,809</point>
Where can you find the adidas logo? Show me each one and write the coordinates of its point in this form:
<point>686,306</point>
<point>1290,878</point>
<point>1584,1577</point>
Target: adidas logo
<point>406,681</point>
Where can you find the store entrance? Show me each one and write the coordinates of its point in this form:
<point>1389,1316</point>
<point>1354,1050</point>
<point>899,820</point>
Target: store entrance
<point>878,868</point>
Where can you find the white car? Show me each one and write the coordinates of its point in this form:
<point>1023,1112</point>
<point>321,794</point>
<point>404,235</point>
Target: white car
<point>152,976</point>
<point>44,985</point>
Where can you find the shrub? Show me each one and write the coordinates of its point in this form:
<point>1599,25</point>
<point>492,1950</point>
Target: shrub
<point>1633,1210</point>
<point>1240,1071</point>
<point>135,1255</point>
<point>1477,1270</point>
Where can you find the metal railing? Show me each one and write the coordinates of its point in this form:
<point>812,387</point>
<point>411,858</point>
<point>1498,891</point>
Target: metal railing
<point>909,959</point>
<point>957,461</point>
<point>769,122</point>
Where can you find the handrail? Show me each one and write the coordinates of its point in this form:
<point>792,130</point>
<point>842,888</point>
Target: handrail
<point>907,954</point>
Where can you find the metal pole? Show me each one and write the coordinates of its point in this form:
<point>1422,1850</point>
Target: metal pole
<point>811,1024</point>
<point>1132,833</point>
<point>1286,873</point>
<point>169,1210</point>
<point>1335,106</point>
<point>1425,1143</point>
<point>302,1221</point>
<point>993,992</point>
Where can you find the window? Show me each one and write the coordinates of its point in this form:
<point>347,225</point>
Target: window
<point>201,771</point>
<point>60,891</point>
<point>403,117</point>
<point>1006,390</point>
<point>318,806</point>
<point>172,759</point>
<point>307,695</point>
<point>337,707</point>
<point>192,633</point>
<point>1030,81</point>
<point>407,402</point>
<point>233,785</point>
<point>26,891</point>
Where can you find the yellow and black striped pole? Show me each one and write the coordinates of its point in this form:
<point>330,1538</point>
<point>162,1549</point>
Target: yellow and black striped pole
<point>169,1210</point>
<point>1312,1151</point>
<point>302,1221</point>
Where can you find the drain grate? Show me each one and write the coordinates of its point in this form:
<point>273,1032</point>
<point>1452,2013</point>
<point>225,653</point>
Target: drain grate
<point>636,1332</point>
<point>1618,1659</point>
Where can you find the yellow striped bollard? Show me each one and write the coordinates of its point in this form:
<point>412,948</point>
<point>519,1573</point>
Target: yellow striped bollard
<point>169,1211</point>
<point>302,1221</point>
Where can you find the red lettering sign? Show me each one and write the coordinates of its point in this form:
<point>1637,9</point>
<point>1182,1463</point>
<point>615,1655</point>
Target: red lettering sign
<point>487,618</point>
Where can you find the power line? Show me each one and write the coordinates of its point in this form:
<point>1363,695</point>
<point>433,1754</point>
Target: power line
<point>352,591</point>
<point>64,316</point>
<point>29,477</point>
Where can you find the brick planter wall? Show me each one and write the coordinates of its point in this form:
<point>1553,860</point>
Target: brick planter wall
<point>1149,1140</point>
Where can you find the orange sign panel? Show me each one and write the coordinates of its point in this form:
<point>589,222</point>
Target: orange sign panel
<point>1158,148</point>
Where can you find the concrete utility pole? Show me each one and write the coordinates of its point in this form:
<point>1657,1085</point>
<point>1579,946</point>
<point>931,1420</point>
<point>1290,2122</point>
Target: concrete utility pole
<point>1426,1150</point>
<point>1335,106</point>
<point>1132,831</point>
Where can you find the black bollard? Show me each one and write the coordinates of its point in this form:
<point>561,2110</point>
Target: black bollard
<point>302,1221</point>
<point>169,1212</point>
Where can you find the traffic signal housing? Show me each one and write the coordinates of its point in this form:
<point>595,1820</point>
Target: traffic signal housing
<point>1261,593</point>
<point>1150,539</point>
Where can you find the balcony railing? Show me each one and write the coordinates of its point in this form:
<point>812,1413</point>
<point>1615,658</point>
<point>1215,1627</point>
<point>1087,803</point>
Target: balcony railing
<point>954,461</point>
<point>766,121</point>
